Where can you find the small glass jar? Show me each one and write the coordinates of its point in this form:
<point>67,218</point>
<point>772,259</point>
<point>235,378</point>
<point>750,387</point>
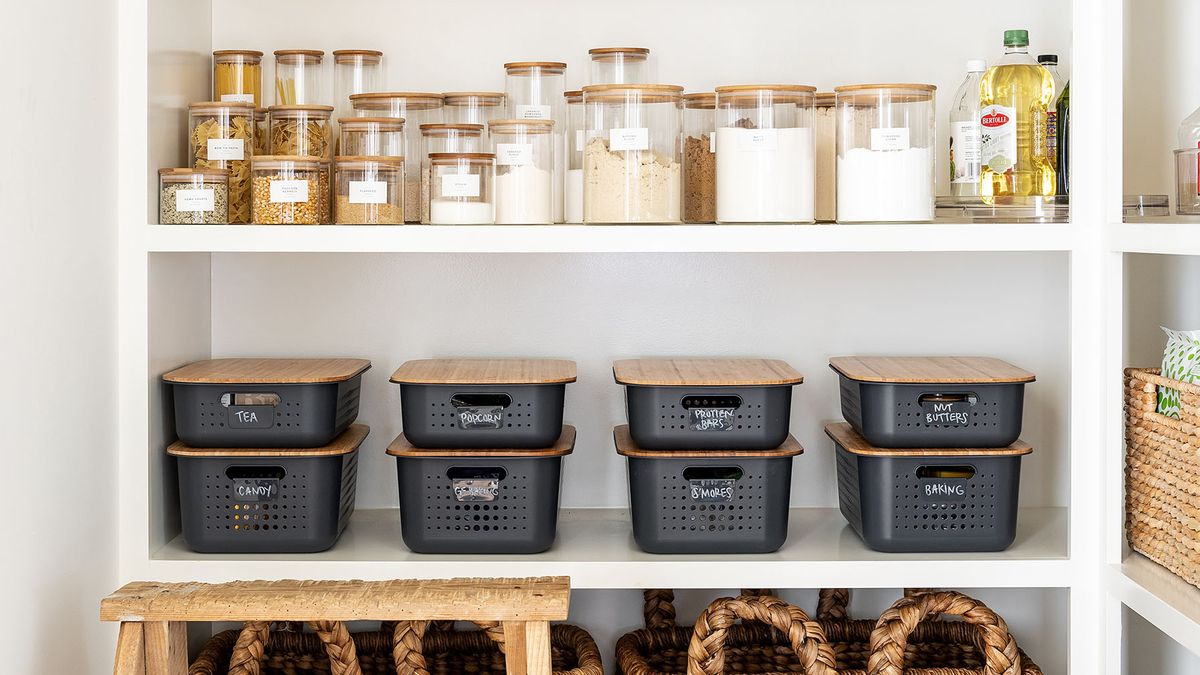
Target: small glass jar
<point>699,157</point>
<point>372,136</point>
<point>416,109</point>
<point>288,190</point>
<point>193,196</point>
<point>885,152</point>
<point>301,130</point>
<point>765,153</point>
<point>442,138</point>
<point>825,150</point>
<point>461,188</point>
<point>237,76</point>
<point>298,76</point>
<point>262,131</point>
<point>472,107</point>
<point>620,65</point>
<point>1187,186</point>
<point>368,190</point>
<point>631,160</point>
<point>524,151</point>
<point>355,71</point>
<point>534,89</point>
<point>221,136</point>
<point>574,136</point>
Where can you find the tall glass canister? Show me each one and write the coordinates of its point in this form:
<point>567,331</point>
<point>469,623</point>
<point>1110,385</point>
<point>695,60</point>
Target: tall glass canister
<point>574,135</point>
<point>825,150</point>
<point>355,71</point>
<point>237,76</point>
<point>699,157</point>
<point>620,65</point>
<point>416,109</point>
<point>444,138</point>
<point>298,77</point>
<point>534,90</point>
<point>524,151</point>
<point>221,136</point>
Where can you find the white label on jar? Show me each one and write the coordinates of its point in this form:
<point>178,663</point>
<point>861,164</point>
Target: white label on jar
<point>712,142</point>
<point>999,137</point>
<point>368,192</point>
<point>761,140</point>
<point>533,112</point>
<point>964,152</point>
<point>889,139</point>
<point>632,138</point>
<point>226,148</point>
<point>195,200</point>
<point>289,191</point>
<point>579,140</point>
<point>460,185</point>
<point>237,98</point>
<point>514,154</point>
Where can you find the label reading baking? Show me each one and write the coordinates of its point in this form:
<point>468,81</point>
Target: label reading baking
<point>889,139</point>
<point>514,154</point>
<point>283,191</point>
<point>460,185</point>
<point>226,148</point>
<point>629,138</point>
<point>712,419</point>
<point>579,140</point>
<point>491,417</point>
<point>759,140</point>
<point>368,192</point>
<point>201,199</point>
<point>476,489</point>
<point>998,137</point>
<point>237,98</point>
<point>947,411</point>
<point>713,489</point>
<point>255,489</point>
<point>943,490</point>
<point>533,112</point>
<point>251,417</point>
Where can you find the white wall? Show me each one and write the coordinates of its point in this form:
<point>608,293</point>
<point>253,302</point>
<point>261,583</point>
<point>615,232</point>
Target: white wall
<point>1149,651</point>
<point>57,269</point>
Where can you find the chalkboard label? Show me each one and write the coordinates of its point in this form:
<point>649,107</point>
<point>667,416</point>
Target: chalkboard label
<point>491,417</point>
<point>712,419</point>
<point>255,489</point>
<point>713,489</point>
<point>947,413</point>
<point>944,490</point>
<point>476,489</point>
<point>251,417</point>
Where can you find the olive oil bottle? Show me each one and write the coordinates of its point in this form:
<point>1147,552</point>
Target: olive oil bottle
<point>1014,98</point>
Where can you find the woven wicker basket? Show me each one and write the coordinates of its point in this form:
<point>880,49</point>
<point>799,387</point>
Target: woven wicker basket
<point>1162,474</point>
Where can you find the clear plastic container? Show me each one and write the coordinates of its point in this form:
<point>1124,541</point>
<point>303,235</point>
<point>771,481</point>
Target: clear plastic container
<point>288,190</point>
<point>237,76</point>
<point>699,157</point>
<point>885,152</point>
<point>416,109</point>
<point>524,151</point>
<point>1187,188</point>
<point>298,77</point>
<point>443,138</point>
<point>355,71</point>
<point>473,107</point>
<point>631,171</point>
<point>368,190</point>
<point>221,136</point>
<point>574,134</point>
<point>193,196</point>
<point>262,131</point>
<point>620,65</point>
<point>461,188</point>
<point>825,151</point>
<point>301,130</point>
<point>765,153</point>
<point>372,136</point>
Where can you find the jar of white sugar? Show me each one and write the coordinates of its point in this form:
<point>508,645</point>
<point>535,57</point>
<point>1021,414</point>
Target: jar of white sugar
<point>460,190</point>
<point>765,170</point>
<point>885,152</point>
<point>575,137</point>
<point>631,171</point>
<point>444,138</point>
<point>524,151</point>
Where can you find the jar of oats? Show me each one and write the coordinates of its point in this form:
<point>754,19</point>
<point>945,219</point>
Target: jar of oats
<point>193,196</point>
<point>288,190</point>
<point>221,136</point>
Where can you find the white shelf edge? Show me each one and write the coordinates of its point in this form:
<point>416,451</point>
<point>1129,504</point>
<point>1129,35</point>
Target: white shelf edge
<point>1167,236</point>
<point>1169,603</point>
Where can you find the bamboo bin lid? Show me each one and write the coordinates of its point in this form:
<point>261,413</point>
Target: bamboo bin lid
<point>627,448</point>
<point>346,442</point>
<point>844,435</point>
<point>565,445</point>
<point>485,371</point>
<point>705,372</point>
<point>929,369</point>
<point>267,371</point>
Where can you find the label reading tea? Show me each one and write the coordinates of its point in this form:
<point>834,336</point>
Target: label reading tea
<point>476,489</point>
<point>964,152</point>
<point>255,489</point>
<point>947,413</point>
<point>460,185</point>
<point>368,192</point>
<point>998,137</point>
<point>251,417</point>
<point>760,140</point>
<point>285,191</point>
<point>237,98</point>
<point>943,490</point>
<point>532,112</point>
<point>491,417</point>
<point>889,139</point>
<point>632,138</point>
<point>514,154</point>
<point>712,419</point>
<point>195,200</point>
<point>712,489</point>
<point>226,149</point>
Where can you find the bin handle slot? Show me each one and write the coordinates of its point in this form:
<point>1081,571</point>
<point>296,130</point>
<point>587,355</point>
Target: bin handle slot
<point>713,473</point>
<point>947,398</point>
<point>481,400</point>
<point>249,398</point>
<point>250,472</point>
<point>709,401</point>
<point>476,473</point>
<point>946,471</point>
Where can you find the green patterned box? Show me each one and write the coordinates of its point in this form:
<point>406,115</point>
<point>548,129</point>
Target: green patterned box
<point>1181,361</point>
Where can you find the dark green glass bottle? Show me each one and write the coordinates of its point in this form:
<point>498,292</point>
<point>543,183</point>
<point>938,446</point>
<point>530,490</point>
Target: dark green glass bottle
<point>1064,140</point>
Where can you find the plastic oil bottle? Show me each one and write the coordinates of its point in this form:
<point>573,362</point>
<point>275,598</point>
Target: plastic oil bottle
<point>1014,98</point>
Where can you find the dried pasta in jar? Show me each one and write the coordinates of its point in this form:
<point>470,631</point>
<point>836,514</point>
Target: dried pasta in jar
<point>290,190</point>
<point>301,130</point>
<point>262,132</point>
<point>221,136</point>
<point>237,76</point>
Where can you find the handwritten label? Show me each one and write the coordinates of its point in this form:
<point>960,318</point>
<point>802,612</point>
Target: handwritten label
<point>368,192</point>
<point>201,199</point>
<point>476,489</point>
<point>251,417</point>
<point>948,413</point>
<point>713,489</point>
<point>226,149</point>
<point>286,191</point>
<point>255,489</point>
<point>944,490</point>
<point>712,419</point>
<point>631,138</point>
<point>491,417</point>
<point>759,140</point>
<point>889,139</point>
<point>532,112</point>
<point>460,185</point>
<point>514,154</point>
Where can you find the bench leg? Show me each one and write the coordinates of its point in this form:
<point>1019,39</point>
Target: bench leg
<point>527,647</point>
<point>131,650</point>
<point>166,647</point>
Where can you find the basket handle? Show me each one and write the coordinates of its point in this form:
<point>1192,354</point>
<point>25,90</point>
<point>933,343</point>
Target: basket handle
<point>659,605</point>
<point>251,647</point>
<point>833,603</point>
<point>890,637</point>
<point>706,653</point>
<point>407,642</point>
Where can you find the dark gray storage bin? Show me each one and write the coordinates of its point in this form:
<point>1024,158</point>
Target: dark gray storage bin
<point>708,501</point>
<point>928,501</point>
<point>932,402</point>
<point>483,403</point>
<point>470,501</point>
<point>265,403</point>
<point>235,500</point>
<point>707,404</point>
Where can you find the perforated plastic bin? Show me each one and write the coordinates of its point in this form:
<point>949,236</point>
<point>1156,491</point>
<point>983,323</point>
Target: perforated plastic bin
<point>483,403</point>
<point>701,404</point>
<point>932,402</point>
<point>926,500</point>
<point>265,403</point>
<point>708,501</point>
<point>236,500</point>
<point>480,501</point>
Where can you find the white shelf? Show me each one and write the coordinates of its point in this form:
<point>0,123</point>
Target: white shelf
<point>1168,602</point>
<point>1175,235</point>
<point>610,238</point>
<point>595,548</point>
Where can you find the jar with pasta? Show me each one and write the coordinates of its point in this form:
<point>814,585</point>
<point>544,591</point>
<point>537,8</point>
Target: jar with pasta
<point>301,130</point>
<point>524,152</point>
<point>461,188</point>
<point>193,196</point>
<point>368,190</point>
<point>221,136</point>
<point>473,107</point>
<point>415,108</point>
<point>298,76</point>
<point>288,190</point>
<point>237,76</point>
<point>443,138</point>
<point>262,132</point>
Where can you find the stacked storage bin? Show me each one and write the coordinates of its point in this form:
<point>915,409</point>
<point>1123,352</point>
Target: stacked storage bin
<point>267,454</point>
<point>480,458</point>
<point>929,460</point>
<point>708,452</point>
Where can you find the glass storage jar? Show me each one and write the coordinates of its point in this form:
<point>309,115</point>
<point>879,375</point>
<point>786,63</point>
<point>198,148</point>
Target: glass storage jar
<point>524,151</point>
<point>573,133</point>
<point>699,157</point>
<point>301,130</point>
<point>1187,187</point>
<point>765,153</point>
<point>416,109</point>
<point>461,188</point>
<point>193,196</point>
<point>443,138</point>
<point>472,107</point>
<point>221,136</point>
<point>620,65</point>
<point>372,136</point>
<point>262,131</point>
<point>631,160</point>
<point>534,89</point>
<point>237,76</point>
<point>298,76</point>
<point>355,71</point>
<point>885,152</point>
<point>825,154</point>
<point>288,190</point>
<point>368,190</point>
